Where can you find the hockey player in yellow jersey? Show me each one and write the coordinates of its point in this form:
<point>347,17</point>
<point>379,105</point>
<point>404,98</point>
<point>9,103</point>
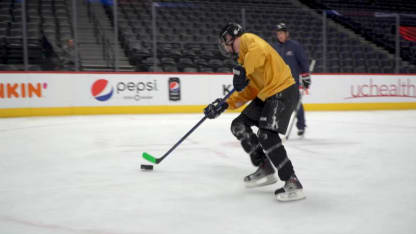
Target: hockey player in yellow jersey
<point>264,80</point>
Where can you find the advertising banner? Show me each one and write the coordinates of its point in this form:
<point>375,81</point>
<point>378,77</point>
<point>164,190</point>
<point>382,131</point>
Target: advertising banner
<point>163,91</point>
<point>361,89</point>
<point>60,90</point>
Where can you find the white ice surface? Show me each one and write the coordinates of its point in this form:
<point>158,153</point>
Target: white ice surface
<point>81,175</point>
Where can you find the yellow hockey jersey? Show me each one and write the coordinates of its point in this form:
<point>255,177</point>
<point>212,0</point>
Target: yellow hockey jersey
<point>266,70</point>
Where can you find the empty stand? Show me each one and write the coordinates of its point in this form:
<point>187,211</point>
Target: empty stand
<point>376,21</point>
<point>186,33</point>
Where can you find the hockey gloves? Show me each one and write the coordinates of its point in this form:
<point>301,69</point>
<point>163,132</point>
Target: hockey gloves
<point>214,109</point>
<point>240,80</point>
<point>306,80</point>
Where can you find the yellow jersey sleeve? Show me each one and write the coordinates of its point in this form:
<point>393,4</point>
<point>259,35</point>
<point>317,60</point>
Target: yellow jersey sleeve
<point>237,99</point>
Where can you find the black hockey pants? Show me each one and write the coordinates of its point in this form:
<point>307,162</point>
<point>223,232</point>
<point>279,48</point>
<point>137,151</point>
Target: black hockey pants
<point>271,117</point>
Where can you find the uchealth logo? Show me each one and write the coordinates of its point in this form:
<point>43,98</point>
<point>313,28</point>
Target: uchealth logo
<point>22,90</point>
<point>102,90</point>
<point>402,88</point>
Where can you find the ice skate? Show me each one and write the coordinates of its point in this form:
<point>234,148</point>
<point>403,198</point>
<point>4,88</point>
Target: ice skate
<point>263,176</point>
<point>301,133</point>
<point>291,191</point>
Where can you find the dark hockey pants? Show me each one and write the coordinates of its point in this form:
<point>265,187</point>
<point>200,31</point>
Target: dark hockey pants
<point>300,116</point>
<point>270,117</point>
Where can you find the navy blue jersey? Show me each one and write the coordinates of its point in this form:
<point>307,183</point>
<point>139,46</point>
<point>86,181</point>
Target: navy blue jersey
<point>293,54</point>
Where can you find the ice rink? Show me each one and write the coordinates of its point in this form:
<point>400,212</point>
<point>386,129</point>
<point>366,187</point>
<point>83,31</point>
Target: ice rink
<point>80,174</point>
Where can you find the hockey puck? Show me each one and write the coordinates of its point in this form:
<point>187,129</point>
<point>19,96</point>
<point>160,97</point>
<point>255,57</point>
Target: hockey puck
<point>146,167</point>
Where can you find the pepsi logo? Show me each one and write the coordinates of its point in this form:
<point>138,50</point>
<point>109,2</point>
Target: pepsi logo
<point>174,86</point>
<point>101,90</point>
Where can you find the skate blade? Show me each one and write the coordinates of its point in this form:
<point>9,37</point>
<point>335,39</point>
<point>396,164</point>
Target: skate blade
<point>270,179</point>
<point>291,196</point>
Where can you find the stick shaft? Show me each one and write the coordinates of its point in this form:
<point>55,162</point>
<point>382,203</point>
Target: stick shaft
<point>293,116</point>
<point>190,131</point>
<point>182,139</point>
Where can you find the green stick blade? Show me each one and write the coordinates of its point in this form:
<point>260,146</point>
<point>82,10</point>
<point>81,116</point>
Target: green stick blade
<point>149,157</point>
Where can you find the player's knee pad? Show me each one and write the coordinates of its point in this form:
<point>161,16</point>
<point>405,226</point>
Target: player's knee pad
<point>243,132</point>
<point>239,128</point>
<point>248,140</point>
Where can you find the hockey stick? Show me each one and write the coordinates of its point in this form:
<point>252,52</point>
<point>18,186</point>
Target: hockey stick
<point>155,160</point>
<point>293,116</point>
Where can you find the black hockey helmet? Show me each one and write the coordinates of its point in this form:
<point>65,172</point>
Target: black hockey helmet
<point>234,30</point>
<point>281,27</point>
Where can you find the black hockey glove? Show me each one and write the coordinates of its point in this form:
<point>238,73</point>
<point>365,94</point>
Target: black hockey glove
<point>240,80</point>
<point>306,80</point>
<point>214,109</point>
